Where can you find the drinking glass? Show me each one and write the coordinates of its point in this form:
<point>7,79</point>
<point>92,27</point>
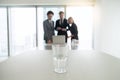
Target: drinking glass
<point>74,44</point>
<point>60,57</point>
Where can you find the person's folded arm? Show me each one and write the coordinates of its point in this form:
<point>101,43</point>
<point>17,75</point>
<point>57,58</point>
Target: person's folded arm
<point>45,30</point>
<point>57,27</point>
<point>76,30</point>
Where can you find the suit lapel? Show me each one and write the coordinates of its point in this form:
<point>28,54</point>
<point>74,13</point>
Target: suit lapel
<point>49,25</point>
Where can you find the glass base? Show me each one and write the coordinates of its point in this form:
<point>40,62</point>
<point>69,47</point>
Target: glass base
<point>60,70</point>
<point>60,65</point>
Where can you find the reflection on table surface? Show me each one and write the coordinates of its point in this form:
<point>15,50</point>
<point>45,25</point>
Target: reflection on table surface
<point>71,47</point>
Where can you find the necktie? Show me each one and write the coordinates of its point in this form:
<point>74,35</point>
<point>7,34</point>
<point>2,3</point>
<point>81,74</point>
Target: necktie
<point>50,23</point>
<point>61,21</point>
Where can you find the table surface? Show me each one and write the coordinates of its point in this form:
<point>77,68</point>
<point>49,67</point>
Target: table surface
<point>83,65</point>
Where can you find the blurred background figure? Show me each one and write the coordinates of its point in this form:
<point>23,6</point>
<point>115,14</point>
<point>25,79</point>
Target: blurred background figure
<point>61,25</point>
<point>73,29</point>
<point>48,26</point>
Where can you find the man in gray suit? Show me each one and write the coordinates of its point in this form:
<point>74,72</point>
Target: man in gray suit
<point>48,26</point>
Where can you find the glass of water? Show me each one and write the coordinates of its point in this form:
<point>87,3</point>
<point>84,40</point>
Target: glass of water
<point>60,57</point>
<point>74,44</point>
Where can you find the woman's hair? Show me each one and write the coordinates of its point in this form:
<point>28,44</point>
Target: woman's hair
<point>71,19</point>
<point>50,12</point>
<point>61,12</point>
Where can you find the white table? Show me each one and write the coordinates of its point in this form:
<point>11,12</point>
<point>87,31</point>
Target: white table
<point>83,65</point>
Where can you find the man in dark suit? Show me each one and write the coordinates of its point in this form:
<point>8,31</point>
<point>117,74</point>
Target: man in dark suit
<point>48,26</point>
<point>61,25</point>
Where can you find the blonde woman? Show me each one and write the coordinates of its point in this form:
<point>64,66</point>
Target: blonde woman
<point>73,29</point>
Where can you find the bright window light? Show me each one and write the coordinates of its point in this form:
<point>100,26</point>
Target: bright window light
<point>22,29</point>
<point>3,32</point>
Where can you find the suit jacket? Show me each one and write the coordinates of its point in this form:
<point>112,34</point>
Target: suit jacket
<point>48,29</point>
<point>63,25</point>
<point>74,31</point>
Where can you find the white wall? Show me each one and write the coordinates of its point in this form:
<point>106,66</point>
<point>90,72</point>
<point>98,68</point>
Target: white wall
<point>107,37</point>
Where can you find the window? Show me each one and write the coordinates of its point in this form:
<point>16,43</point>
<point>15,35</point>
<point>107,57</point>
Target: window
<point>3,32</point>
<point>83,17</point>
<point>22,29</point>
<point>24,32</point>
